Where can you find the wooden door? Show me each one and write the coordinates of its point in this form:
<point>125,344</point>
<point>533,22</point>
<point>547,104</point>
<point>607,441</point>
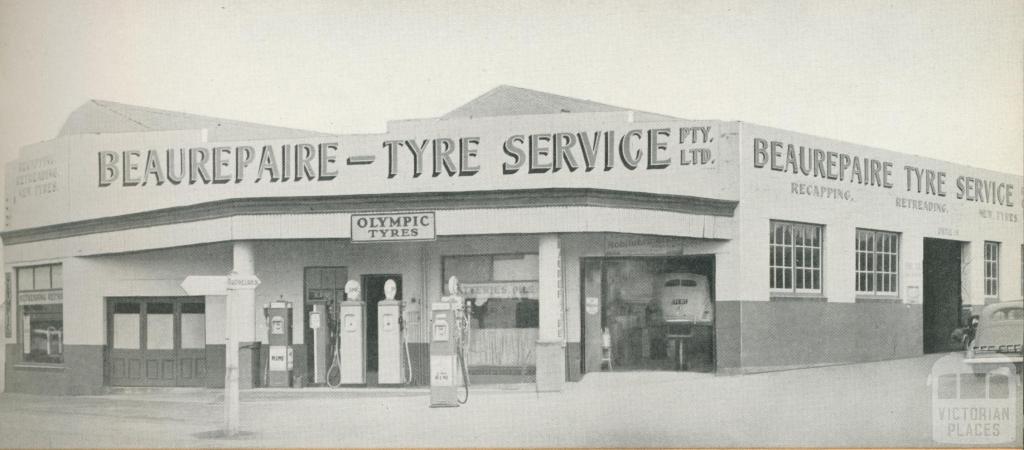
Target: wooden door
<point>156,342</point>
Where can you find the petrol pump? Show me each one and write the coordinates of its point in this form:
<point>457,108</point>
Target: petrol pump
<point>279,338</point>
<point>449,338</point>
<point>391,343</point>
<point>350,345</point>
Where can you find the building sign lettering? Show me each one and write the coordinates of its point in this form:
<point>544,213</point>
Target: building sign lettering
<point>443,156</point>
<point>817,163</point>
<point>414,226</point>
<point>219,165</point>
<point>505,289</point>
<point>41,297</point>
<point>36,177</point>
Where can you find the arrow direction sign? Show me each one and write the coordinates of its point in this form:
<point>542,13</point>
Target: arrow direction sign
<point>205,285</point>
<point>218,285</point>
<point>239,282</point>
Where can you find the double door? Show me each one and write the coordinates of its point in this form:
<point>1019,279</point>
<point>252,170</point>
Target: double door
<point>156,341</point>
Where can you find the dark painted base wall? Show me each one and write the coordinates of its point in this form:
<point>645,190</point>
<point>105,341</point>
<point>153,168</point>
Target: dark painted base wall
<point>215,366</point>
<point>572,361</point>
<point>765,336</point>
<point>419,354</point>
<point>81,373</point>
<point>749,337</point>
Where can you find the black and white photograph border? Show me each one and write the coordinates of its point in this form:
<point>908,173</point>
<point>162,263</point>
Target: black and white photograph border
<point>523,224</point>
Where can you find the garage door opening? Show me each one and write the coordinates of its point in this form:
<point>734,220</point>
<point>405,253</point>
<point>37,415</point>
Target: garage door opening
<point>156,341</point>
<point>942,295</point>
<point>634,310</point>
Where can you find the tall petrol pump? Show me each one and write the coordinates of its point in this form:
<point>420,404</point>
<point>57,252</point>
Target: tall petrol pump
<point>279,338</point>
<point>449,339</point>
<point>391,343</point>
<point>350,347</point>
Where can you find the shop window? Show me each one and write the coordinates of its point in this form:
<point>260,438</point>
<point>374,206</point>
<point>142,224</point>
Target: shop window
<point>991,269</point>
<point>41,305</point>
<point>795,252</point>
<point>502,290</point>
<point>127,317</point>
<point>193,325</point>
<point>325,284</point>
<point>877,262</point>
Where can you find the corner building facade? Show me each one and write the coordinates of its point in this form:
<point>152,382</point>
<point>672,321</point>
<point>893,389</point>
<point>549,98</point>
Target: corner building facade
<point>568,222</point>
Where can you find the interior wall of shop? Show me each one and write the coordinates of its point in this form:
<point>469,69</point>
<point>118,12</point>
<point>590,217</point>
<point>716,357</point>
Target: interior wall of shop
<point>840,326</point>
<point>576,246</point>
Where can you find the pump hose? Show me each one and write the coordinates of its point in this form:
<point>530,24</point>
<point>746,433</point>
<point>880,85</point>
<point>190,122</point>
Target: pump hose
<point>266,362</point>
<point>266,369</point>
<point>408,359</point>
<point>334,334</point>
<point>335,366</point>
<point>460,352</point>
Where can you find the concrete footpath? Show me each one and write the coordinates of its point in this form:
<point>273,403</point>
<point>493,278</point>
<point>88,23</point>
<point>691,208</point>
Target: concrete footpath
<point>874,405</point>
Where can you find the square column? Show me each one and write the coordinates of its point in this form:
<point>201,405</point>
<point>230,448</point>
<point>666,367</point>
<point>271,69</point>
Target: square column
<point>551,336</point>
<point>243,314</point>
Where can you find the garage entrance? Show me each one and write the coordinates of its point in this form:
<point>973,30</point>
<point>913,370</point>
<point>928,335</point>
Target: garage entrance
<point>156,341</point>
<point>942,299</point>
<point>631,310</point>
<point>373,292</point>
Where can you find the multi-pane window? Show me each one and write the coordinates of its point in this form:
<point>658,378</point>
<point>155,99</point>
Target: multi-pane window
<point>503,287</point>
<point>41,305</point>
<point>325,284</point>
<point>877,268</point>
<point>991,269</point>
<point>795,257</point>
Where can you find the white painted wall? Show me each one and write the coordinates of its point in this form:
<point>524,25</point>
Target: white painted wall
<point>767,194</point>
<point>70,165</point>
<point>87,281</point>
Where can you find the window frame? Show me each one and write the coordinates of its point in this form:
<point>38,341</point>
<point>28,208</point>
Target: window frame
<point>790,248</point>
<point>20,322</point>
<point>991,260</point>
<point>445,261</point>
<point>875,254</point>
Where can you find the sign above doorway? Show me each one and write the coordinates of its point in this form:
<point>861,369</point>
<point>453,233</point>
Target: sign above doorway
<point>386,227</point>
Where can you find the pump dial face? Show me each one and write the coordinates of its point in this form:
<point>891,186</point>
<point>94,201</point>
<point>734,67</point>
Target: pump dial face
<point>352,290</point>
<point>453,286</point>
<point>390,289</point>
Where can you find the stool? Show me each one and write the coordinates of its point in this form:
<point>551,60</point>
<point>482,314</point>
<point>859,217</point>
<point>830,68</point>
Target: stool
<point>606,349</point>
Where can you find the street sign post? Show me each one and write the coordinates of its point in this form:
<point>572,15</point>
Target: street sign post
<point>227,286</point>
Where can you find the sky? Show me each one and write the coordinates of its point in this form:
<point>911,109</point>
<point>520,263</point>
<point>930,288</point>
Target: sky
<point>933,78</point>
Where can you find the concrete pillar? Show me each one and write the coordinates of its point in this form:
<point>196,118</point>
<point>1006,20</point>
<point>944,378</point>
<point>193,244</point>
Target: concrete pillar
<point>244,263</point>
<point>551,336</point>
<point>244,312</point>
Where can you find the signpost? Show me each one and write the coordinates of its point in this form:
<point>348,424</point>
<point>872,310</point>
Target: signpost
<point>226,285</point>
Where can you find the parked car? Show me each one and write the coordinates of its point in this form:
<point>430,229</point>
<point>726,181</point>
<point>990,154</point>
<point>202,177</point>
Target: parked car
<point>999,337</point>
<point>684,297</point>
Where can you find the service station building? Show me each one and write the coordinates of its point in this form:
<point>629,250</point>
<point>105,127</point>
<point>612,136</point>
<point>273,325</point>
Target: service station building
<point>569,223</point>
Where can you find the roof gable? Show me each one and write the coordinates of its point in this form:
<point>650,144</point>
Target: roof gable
<point>513,101</point>
<point>100,116</point>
